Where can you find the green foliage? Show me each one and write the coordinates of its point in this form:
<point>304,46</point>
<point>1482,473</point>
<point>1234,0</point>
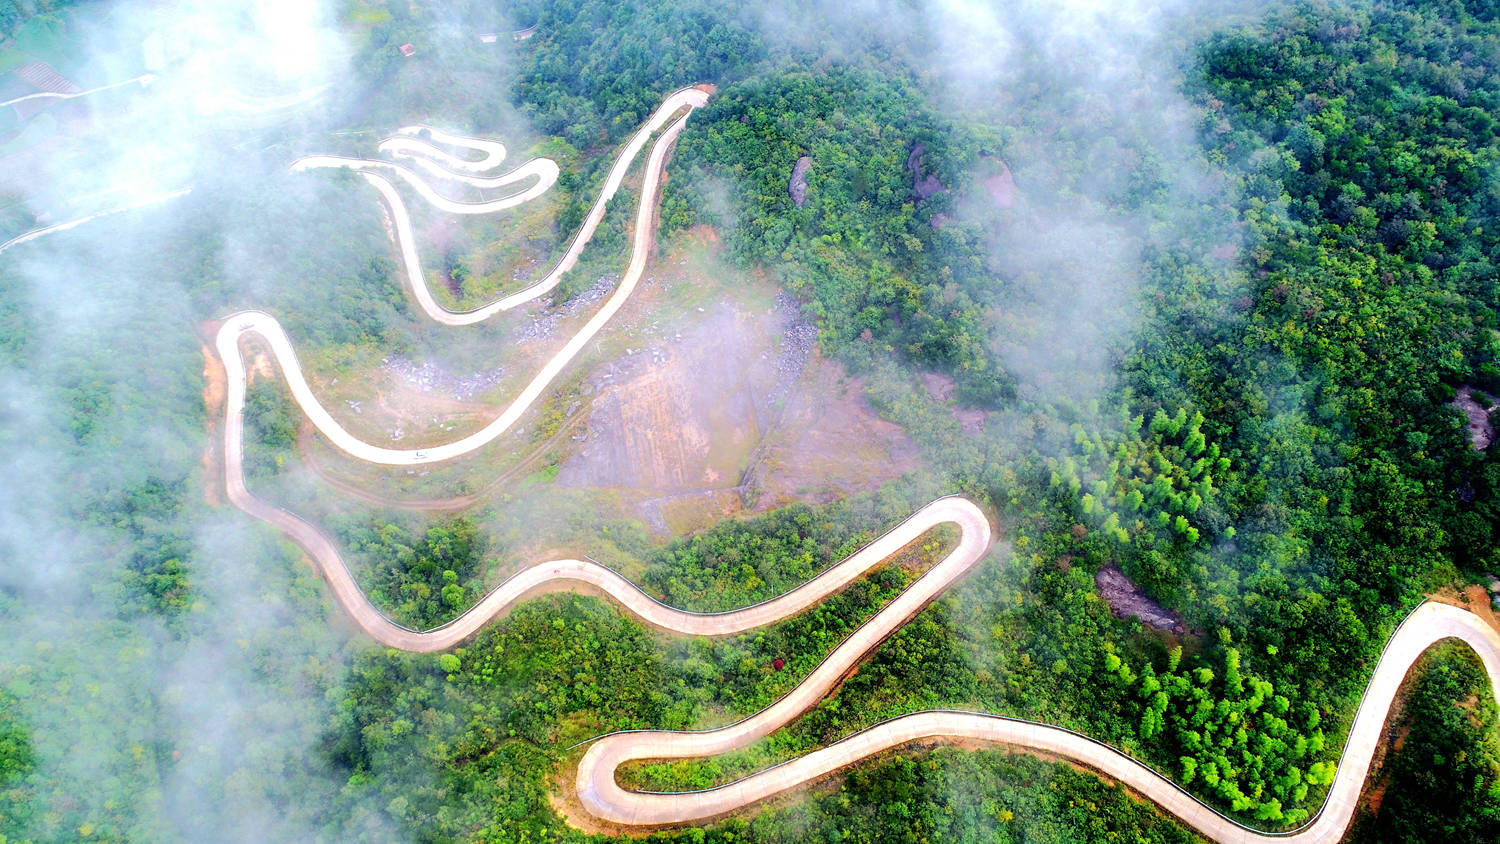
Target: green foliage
<point>1294,479</point>
<point>1168,473</point>
<point>875,270</point>
<point>420,579</point>
<point>271,419</point>
<point>17,762</point>
<point>581,80</point>
<point>737,564</point>
<point>150,515</point>
<point>1237,736</point>
<point>1443,784</point>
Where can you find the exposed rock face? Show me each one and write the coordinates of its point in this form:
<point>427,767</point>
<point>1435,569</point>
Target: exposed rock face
<point>1126,599</point>
<point>1481,417</point>
<point>798,186</point>
<point>1002,186</point>
<point>922,186</point>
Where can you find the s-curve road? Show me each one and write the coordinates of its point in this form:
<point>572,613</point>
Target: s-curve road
<point>602,796</point>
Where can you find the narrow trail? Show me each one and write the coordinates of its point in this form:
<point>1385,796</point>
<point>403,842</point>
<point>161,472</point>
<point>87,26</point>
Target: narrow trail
<point>144,79</point>
<point>597,789</point>
<point>151,199</point>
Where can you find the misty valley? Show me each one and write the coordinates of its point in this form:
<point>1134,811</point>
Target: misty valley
<point>888,421</point>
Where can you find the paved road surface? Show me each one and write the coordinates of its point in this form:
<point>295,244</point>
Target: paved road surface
<point>604,798</point>
<point>236,325</point>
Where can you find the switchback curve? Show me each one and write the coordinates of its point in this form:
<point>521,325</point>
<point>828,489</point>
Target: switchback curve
<point>689,98</point>
<point>259,322</point>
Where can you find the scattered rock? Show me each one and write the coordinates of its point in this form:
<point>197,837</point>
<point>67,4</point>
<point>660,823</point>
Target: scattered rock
<point>798,185</point>
<point>429,377</point>
<point>1126,599</point>
<point>542,327</point>
<point>796,344</point>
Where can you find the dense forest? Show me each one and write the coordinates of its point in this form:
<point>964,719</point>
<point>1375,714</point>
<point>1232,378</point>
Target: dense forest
<point>1215,345</point>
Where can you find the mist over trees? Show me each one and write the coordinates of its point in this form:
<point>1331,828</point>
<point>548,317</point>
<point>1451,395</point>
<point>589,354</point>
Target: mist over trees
<point>1205,283</point>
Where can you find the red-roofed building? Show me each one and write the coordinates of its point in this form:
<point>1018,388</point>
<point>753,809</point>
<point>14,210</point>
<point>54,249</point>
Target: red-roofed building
<point>408,50</point>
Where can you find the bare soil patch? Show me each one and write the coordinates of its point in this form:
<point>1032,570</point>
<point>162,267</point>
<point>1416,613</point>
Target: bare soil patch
<point>729,409</point>
<point>1002,186</point>
<point>215,384</point>
<point>1474,598</point>
<point>831,443</point>
<point>683,410</point>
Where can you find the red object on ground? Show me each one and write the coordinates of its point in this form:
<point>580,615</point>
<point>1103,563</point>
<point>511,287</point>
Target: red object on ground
<point>778,665</point>
<point>408,50</point>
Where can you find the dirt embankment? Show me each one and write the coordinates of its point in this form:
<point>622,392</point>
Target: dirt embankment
<point>215,383</point>
<point>1001,186</point>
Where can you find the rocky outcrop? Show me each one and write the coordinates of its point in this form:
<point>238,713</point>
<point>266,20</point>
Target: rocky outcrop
<point>798,185</point>
<point>1126,599</point>
<point>1480,416</point>
<point>923,185</point>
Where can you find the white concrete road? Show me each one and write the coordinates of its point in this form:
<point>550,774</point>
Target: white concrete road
<point>144,79</point>
<point>602,796</point>
<point>448,166</point>
<point>150,199</point>
<point>236,325</point>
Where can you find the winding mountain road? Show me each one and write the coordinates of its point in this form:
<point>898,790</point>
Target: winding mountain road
<point>235,326</point>
<point>598,791</point>
<point>602,796</point>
